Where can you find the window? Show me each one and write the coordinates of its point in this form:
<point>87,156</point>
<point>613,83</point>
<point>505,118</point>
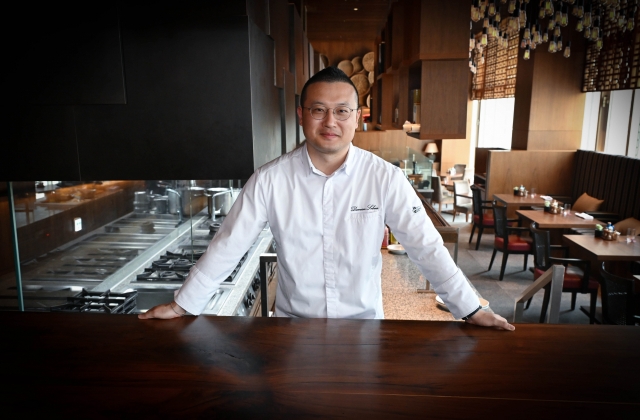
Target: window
<point>612,122</point>
<point>495,122</point>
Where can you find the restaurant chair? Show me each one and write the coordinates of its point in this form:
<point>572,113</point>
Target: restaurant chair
<point>508,239</point>
<point>577,278</point>
<point>460,168</point>
<point>440,194</point>
<point>462,201</point>
<point>481,220</point>
<point>617,299</point>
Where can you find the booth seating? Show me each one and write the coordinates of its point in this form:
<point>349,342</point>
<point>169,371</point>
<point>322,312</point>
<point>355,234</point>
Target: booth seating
<point>613,179</point>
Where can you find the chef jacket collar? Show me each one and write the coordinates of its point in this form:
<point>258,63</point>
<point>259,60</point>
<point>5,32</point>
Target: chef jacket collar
<point>347,165</point>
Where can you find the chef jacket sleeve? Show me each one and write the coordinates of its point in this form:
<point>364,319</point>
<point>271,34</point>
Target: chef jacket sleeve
<point>407,218</point>
<point>239,230</point>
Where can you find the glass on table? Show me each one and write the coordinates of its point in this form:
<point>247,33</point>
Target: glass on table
<point>567,210</point>
<point>533,193</point>
<point>631,235</point>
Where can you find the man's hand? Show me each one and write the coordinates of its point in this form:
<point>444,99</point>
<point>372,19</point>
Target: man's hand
<point>487,319</point>
<point>165,311</point>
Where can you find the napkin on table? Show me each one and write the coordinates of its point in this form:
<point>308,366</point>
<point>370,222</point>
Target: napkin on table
<point>585,216</point>
<point>546,197</point>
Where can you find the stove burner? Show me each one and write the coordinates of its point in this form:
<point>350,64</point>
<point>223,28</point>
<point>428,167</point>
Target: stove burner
<point>179,264</point>
<point>214,228</point>
<point>165,274</point>
<point>150,274</point>
<point>99,302</point>
<point>184,254</point>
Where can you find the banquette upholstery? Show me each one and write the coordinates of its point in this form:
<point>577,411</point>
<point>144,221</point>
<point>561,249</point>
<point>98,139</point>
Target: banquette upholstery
<point>613,179</point>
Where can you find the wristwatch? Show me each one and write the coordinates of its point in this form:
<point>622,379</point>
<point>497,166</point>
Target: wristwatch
<point>464,318</point>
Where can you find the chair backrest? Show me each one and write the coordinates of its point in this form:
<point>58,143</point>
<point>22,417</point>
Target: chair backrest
<point>617,299</point>
<point>477,201</point>
<point>541,247</point>
<point>500,220</point>
<point>461,187</point>
<point>460,168</point>
<point>437,189</point>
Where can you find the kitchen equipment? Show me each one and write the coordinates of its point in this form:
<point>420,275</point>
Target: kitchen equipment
<point>147,227</point>
<point>174,199</point>
<point>161,204</point>
<point>220,200</point>
<point>214,228</point>
<point>193,200</point>
<point>99,302</point>
<point>140,201</point>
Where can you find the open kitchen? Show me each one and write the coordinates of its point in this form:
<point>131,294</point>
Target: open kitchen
<point>132,135</point>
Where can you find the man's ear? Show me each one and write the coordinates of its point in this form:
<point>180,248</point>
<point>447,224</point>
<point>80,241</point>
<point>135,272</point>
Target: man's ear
<point>299,111</point>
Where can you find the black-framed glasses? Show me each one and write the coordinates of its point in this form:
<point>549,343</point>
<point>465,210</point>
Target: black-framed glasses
<point>341,113</point>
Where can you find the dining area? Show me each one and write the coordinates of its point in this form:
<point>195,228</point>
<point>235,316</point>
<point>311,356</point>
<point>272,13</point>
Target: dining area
<point>601,259</point>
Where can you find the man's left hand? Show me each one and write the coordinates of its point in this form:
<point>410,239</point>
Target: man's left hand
<point>488,319</point>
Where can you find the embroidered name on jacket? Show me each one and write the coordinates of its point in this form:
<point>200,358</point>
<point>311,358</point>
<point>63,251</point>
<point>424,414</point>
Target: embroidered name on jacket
<point>369,208</point>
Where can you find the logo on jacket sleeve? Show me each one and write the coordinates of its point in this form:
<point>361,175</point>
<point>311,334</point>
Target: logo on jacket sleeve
<point>416,209</point>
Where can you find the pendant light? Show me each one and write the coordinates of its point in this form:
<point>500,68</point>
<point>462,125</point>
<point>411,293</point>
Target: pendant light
<point>567,50</point>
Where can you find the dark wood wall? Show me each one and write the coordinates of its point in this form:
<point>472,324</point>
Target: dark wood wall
<point>127,91</point>
<point>549,102</point>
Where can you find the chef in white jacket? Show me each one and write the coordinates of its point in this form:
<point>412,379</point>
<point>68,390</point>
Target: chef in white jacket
<point>327,204</point>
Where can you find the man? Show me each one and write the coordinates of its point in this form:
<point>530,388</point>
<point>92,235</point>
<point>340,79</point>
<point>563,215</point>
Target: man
<point>327,204</point>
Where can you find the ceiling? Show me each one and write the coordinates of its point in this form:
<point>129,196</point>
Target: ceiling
<point>336,20</point>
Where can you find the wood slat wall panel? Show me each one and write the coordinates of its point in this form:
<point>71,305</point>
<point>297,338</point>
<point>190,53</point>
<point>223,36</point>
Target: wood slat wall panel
<point>614,179</point>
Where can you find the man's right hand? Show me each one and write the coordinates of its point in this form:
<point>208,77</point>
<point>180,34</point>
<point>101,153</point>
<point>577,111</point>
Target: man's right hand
<point>164,311</point>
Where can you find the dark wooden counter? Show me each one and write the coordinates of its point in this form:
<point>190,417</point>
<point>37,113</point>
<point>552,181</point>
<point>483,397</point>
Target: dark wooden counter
<point>115,366</point>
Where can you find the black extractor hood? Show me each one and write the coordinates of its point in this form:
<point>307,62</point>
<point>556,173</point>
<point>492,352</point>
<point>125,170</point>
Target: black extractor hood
<point>129,91</point>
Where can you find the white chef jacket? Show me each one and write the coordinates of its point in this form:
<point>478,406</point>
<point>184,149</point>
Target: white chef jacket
<point>328,231</point>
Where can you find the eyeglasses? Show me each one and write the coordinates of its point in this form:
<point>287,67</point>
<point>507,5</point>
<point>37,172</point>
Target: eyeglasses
<point>341,113</point>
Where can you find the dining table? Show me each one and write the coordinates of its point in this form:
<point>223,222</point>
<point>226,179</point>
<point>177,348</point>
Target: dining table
<point>117,366</point>
<point>555,223</point>
<point>588,246</point>
<point>616,254</point>
<point>514,202</point>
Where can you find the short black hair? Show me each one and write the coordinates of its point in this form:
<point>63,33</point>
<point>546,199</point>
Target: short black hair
<point>328,75</point>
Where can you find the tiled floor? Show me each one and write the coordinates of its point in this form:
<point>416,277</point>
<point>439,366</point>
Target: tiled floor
<point>500,294</point>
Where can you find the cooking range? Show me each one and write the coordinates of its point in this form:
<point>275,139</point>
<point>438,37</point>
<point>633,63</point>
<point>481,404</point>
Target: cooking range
<point>144,257</point>
<point>174,266</point>
<point>99,302</point>
<point>159,280</point>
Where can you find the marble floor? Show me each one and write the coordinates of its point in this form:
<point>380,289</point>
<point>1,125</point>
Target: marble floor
<point>401,300</point>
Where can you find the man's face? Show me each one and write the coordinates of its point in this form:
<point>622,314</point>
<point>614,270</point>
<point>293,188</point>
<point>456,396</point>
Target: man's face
<point>329,135</point>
